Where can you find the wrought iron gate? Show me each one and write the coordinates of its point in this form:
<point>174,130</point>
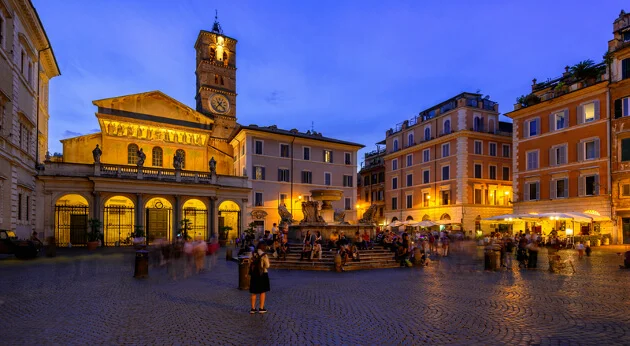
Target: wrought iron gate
<point>198,222</point>
<point>226,214</point>
<point>119,222</point>
<point>158,224</point>
<point>71,225</point>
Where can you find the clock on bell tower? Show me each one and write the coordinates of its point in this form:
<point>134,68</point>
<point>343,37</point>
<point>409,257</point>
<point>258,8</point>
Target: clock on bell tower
<point>216,78</point>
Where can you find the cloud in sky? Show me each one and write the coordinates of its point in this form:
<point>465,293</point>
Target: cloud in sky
<point>354,71</point>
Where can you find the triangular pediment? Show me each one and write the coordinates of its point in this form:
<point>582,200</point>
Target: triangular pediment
<point>153,103</point>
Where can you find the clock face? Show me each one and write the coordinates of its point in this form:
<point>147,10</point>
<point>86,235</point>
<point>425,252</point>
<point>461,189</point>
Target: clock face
<point>219,103</point>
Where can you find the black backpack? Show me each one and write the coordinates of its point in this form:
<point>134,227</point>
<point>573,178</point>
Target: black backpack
<point>255,266</point>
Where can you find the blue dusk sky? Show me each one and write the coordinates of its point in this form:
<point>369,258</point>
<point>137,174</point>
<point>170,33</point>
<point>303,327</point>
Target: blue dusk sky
<point>352,68</point>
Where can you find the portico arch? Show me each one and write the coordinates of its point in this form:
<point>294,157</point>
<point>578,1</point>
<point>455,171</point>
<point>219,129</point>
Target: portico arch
<point>196,214</point>
<point>426,218</point>
<point>445,216</point>
<point>159,219</point>
<point>71,220</point>
<point>230,216</point>
<point>119,221</point>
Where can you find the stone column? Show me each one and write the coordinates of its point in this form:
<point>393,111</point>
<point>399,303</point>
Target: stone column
<point>176,214</point>
<point>138,210</point>
<point>96,206</point>
<point>213,217</point>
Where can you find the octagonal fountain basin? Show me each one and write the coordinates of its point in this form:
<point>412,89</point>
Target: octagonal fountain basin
<point>326,196</point>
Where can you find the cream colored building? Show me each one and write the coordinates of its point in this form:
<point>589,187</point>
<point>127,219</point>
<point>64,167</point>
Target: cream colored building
<point>451,163</point>
<point>134,179</point>
<point>283,167</point>
<point>27,63</point>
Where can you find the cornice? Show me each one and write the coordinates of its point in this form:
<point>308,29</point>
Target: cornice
<point>217,64</point>
<point>218,90</point>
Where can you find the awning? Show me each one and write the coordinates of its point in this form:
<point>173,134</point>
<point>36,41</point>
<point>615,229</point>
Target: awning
<point>424,224</point>
<point>396,224</point>
<point>577,217</point>
<point>446,222</point>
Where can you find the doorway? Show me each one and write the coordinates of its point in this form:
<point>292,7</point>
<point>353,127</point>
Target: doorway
<point>625,226</point>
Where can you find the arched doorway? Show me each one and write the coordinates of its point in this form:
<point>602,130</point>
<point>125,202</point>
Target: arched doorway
<point>196,214</point>
<point>409,218</point>
<point>119,221</point>
<point>71,220</point>
<point>426,218</point>
<point>394,219</point>
<point>445,216</point>
<point>159,219</point>
<point>230,216</point>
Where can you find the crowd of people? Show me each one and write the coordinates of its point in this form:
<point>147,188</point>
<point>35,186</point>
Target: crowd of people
<point>184,257</point>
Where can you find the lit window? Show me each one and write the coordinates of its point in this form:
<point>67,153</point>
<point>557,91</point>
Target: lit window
<point>156,157</point>
<point>259,173</point>
<point>589,112</point>
<point>328,156</point>
<point>132,154</point>
<point>182,154</point>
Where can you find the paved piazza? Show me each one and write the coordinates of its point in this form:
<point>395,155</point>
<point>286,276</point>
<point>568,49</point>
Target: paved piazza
<point>81,298</point>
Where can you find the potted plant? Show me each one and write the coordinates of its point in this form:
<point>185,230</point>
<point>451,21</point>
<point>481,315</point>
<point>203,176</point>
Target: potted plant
<point>94,235</point>
<point>223,235</point>
<point>185,226</point>
<point>139,239</point>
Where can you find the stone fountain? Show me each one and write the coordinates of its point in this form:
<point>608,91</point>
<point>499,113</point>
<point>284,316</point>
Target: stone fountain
<point>325,219</point>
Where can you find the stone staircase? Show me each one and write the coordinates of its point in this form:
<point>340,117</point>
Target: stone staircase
<point>377,258</point>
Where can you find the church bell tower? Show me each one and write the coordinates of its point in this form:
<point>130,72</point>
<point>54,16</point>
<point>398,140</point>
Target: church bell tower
<point>216,79</point>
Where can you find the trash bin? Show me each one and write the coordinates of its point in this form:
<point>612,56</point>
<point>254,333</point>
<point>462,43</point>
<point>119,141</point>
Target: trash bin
<point>497,260</point>
<point>417,255</point>
<point>228,254</point>
<point>51,247</point>
<point>243,274</point>
<point>626,261</point>
<point>487,255</point>
<point>142,264</point>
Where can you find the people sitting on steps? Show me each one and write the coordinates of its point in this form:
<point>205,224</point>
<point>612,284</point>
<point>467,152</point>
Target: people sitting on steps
<point>317,246</point>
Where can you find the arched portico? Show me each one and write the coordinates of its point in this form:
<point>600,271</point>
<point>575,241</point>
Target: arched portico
<point>230,216</point>
<point>195,215</point>
<point>118,221</point>
<point>159,219</point>
<point>71,220</point>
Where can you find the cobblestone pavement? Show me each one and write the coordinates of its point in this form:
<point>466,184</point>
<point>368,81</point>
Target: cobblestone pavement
<point>93,299</point>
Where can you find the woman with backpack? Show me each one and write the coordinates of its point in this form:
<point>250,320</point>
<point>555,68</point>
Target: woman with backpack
<point>259,277</point>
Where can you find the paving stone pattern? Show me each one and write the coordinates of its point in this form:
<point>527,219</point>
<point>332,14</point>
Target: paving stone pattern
<point>80,298</point>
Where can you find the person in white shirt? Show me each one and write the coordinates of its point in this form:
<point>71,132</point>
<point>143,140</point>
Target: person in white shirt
<point>580,249</point>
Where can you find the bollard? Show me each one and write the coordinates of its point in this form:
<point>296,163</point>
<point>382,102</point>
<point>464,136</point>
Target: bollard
<point>337,262</point>
<point>417,256</point>
<point>142,264</point>
<point>497,260</point>
<point>228,254</point>
<point>243,274</point>
<point>486,260</point>
<point>51,247</point>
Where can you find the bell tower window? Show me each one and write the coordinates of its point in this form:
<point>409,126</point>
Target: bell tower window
<point>216,79</point>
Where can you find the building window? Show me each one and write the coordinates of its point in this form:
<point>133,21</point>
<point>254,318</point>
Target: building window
<point>283,199</point>
<point>478,197</point>
<point>506,150</point>
<point>425,177</point>
<point>348,158</point>
<point>132,154</point>
<point>347,180</point>
<point>284,150</point>
<point>409,201</point>
<point>506,173</point>
<point>394,164</point>
<point>328,156</point>
<point>348,203</point>
<point>328,179</point>
<point>22,59</point>
<point>381,195</point>
<point>259,173</point>
<point>446,173</point>
<point>410,141</point>
<point>394,203</point>
<point>589,185</point>
<point>625,190</point>
<point>425,199</point>
<point>447,127</point>
<point>492,172</point>
<point>446,149</point>
<point>427,133</point>
<point>381,177</point>
<point>394,183</point>
<point>559,120</point>
<point>478,148</point>
<point>626,36</point>
<point>492,149</point>
<point>374,179</point>
<point>258,147</point>
<point>283,174</point>
<point>409,179</point>
<point>182,154</point>
<point>625,65</point>
<point>478,124</point>
<point>532,191</point>
<point>258,199</point>
<point>24,137</point>
<point>588,112</point>
<point>426,155</point>
<point>625,149</point>
<point>532,160</point>
<point>19,206</point>
<point>446,197</point>
<point>478,170</point>
<point>156,157</point>
<point>307,177</point>
<point>307,153</point>
<point>409,160</point>
<point>366,180</point>
<point>560,188</point>
<point>588,150</point>
<point>532,128</point>
<point>395,144</point>
<point>558,155</point>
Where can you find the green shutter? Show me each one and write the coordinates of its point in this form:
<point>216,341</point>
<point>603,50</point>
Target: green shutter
<point>625,149</point>
<point>618,108</point>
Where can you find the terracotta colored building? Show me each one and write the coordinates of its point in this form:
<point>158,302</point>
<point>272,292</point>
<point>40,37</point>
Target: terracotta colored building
<point>619,52</point>
<point>453,163</point>
<point>371,184</point>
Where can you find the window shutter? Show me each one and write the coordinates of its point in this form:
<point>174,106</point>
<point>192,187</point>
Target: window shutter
<point>552,156</point>
<point>552,119</point>
<point>596,117</point>
<point>580,151</point>
<point>263,173</point>
<point>596,187</point>
<point>526,128</point>
<point>279,174</point>
<point>563,154</point>
<point>566,118</point>
<point>526,192</point>
<point>538,127</point>
<point>552,189</point>
<point>580,114</point>
<point>331,156</point>
<point>618,108</point>
<point>625,68</point>
<point>581,186</point>
<point>597,148</point>
<point>566,187</point>
<point>537,190</point>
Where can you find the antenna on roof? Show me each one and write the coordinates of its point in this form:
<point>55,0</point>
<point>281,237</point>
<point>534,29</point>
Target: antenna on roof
<point>312,126</point>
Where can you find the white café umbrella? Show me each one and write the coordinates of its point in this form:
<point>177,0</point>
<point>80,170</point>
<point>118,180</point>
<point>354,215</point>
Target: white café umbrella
<point>425,223</point>
<point>396,224</point>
